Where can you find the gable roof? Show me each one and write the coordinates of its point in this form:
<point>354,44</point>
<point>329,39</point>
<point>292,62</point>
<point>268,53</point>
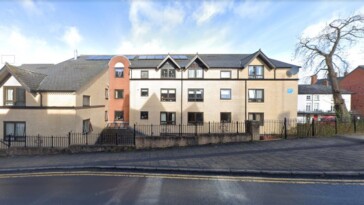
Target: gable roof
<point>69,75</point>
<point>194,59</point>
<point>318,89</point>
<point>260,54</point>
<point>168,57</point>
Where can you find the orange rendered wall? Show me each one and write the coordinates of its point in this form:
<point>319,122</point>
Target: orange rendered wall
<point>119,83</point>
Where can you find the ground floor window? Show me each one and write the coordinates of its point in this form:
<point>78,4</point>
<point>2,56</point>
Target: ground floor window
<point>225,117</point>
<point>86,126</point>
<point>14,131</point>
<point>257,117</point>
<point>144,115</point>
<point>168,118</point>
<point>119,115</point>
<point>195,118</point>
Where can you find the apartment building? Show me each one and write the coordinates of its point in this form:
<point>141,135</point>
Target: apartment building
<point>90,92</point>
<point>197,88</point>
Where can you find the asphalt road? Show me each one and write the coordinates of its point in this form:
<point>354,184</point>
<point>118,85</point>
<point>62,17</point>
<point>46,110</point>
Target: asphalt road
<point>129,188</point>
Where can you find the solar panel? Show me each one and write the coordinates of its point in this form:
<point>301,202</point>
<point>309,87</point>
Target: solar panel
<point>179,57</point>
<point>142,57</point>
<point>99,57</point>
<point>130,57</point>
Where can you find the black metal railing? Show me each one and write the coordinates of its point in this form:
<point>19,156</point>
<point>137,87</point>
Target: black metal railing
<point>70,140</point>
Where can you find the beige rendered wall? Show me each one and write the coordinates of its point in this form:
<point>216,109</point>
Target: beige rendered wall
<point>59,99</point>
<point>95,89</point>
<point>49,122</point>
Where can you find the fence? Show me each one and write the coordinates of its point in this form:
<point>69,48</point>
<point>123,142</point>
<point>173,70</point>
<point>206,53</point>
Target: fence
<point>210,128</point>
<point>67,141</point>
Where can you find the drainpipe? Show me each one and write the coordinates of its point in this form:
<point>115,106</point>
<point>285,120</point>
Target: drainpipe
<point>181,95</point>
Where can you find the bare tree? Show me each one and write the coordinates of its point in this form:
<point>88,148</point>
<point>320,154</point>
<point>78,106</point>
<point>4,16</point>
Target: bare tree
<point>326,51</point>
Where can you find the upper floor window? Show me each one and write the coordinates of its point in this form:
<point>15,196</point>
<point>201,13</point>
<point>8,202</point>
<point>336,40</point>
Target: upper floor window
<point>86,100</point>
<point>106,93</point>
<point>14,96</point>
<point>316,107</point>
<point>195,73</point>
<point>195,95</point>
<point>144,74</point>
<point>168,72</point>
<point>225,94</point>
<point>144,115</point>
<point>256,95</point>
<point>256,71</point>
<point>225,74</point>
<point>119,70</point>
<point>308,97</point>
<point>308,107</point>
<point>168,95</point>
<point>119,94</point>
<point>316,97</point>
<point>144,92</point>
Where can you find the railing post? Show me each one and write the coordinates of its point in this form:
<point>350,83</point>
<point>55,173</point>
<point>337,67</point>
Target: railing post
<point>285,128</point>
<point>52,142</point>
<point>195,129</point>
<point>237,127</point>
<point>86,139</point>
<point>134,133</point>
<point>209,128</point>
<point>313,127</point>
<point>180,130</point>
<point>151,130</point>
<point>335,125</point>
<point>38,140</point>
<point>9,141</point>
<point>354,124</point>
<point>25,141</point>
<point>116,138</point>
<point>69,139</point>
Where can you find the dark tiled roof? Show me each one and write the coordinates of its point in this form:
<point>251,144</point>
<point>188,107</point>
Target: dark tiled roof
<point>27,78</point>
<point>71,74</point>
<point>213,60</point>
<point>317,89</point>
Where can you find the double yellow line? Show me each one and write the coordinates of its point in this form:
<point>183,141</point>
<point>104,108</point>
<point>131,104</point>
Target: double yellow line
<point>185,177</point>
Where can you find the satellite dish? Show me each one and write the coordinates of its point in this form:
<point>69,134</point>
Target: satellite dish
<point>292,71</point>
<point>289,73</point>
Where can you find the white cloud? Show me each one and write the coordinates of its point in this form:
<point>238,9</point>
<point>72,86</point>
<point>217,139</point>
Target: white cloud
<point>28,49</point>
<point>72,37</point>
<point>30,6</point>
<point>210,9</point>
<point>252,9</point>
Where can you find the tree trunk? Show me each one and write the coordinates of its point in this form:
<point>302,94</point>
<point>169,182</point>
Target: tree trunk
<point>340,108</point>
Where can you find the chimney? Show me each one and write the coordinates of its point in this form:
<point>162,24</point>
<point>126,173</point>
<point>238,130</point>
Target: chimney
<point>326,82</point>
<point>313,79</point>
<point>75,55</point>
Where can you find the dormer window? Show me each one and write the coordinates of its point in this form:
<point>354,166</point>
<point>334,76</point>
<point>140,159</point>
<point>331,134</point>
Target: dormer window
<point>119,70</point>
<point>14,96</point>
<point>168,71</point>
<point>256,72</point>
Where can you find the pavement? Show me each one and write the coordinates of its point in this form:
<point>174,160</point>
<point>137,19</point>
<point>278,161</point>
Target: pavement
<point>331,157</point>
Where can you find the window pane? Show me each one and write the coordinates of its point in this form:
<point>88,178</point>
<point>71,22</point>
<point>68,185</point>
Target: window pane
<point>199,73</point>
<point>199,117</point>
<point>20,129</point>
<point>164,91</point>
<point>191,73</point>
<point>259,94</point>
<point>163,117</point>
<point>172,91</point>
<point>144,74</point>
<point>20,97</point>
<point>9,129</point>
<point>119,72</point>
<point>225,74</point>
<point>251,94</point>
<point>191,117</point>
<point>251,116</point>
<point>259,70</point>
<point>225,94</point>
<point>251,70</point>
<point>10,94</point>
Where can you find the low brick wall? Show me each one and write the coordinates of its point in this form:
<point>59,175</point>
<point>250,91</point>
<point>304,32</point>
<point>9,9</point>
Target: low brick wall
<point>142,142</point>
<point>19,151</point>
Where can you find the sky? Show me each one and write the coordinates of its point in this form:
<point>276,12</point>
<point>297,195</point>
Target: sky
<point>34,31</point>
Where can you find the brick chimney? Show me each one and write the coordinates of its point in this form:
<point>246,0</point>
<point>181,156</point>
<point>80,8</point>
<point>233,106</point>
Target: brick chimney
<point>313,79</point>
<point>326,82</point>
